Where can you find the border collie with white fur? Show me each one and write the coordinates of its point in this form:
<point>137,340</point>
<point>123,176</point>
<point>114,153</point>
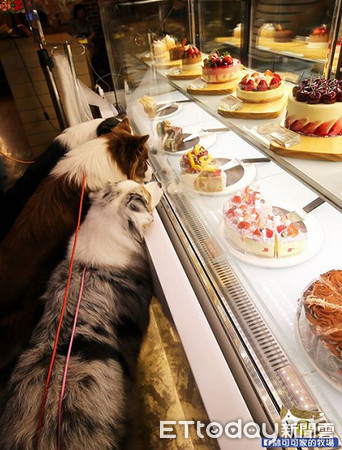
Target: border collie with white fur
<point>37,240</point>
<point>13,201</point>
<point>112,320</point>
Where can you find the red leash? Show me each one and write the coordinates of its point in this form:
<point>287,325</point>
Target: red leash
<point>53,357</point>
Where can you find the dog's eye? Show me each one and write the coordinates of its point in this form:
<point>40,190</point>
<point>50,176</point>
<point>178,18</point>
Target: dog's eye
<point>134,207</point>
<point>137,202</point>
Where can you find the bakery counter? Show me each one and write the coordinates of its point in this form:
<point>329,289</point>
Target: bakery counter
<point>269,287</point>
<point>324,177</point>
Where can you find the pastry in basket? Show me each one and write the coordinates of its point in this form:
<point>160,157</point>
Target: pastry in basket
<point>219,68</point>
<point>176,52</point>
<point>201,172</point>
<point>260,87</point>
<point>254,226</point>
<point>323,310</point>
<point>319,38</point>
<point>315,108</point>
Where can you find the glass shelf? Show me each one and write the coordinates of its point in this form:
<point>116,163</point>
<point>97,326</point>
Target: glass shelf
<point>324,177</point>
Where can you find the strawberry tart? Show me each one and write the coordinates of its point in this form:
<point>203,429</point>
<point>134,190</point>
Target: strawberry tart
<point>315,108</point>
<point>254,226</point>
<point>260,88</point>
<point>322,303</point>
<point>201,172</point>
<point>219,68</point>
<point>319,37</point>
<point>191,59</point>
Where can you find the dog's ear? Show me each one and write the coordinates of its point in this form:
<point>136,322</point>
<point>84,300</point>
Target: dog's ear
<point>124,125</point>
<point>135,150</point>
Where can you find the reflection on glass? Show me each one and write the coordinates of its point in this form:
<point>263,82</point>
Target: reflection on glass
<point>221,25</point>
<point>291,37</point>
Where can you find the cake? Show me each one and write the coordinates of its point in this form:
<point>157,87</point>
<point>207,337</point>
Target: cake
<point>150,105</point>
<point>219,68</point>
<point>281,35</point>
<point>267,31</point>
<point>159,50</point>
<point>319,37</point>
<point>260,88</point>
<point>322,303</point>
<point>169,42</point>
<point>162,47</point>
<point>176,52</point>
<point>200,171</point>
<point>172,137</point>
<point>254,226</point>
<point>315,108</point>
<point>191,59</point>
<point>208,181</point>
<point>237,31</point>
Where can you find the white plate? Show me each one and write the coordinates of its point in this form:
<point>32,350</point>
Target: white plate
<point>206,141</point>
<point>166,116</point>
<point>247,178</point>
<point>313,244</point>
<point>326,364</point>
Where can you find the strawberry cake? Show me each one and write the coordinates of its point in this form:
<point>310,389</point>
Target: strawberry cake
<point>319,37</point>
<point>254,226</point>
<point>219,68</point>
<point>200,171</point>
<point>191,59</point>
<point>260,87</point>
<point>322,303</point>
<point>315,108</point>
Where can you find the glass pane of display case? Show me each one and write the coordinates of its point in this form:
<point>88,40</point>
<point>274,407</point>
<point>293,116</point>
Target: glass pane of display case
<point>259,295</point>
<point>290,36</point>
<point>222,25</point>
<point>130,30</point>
<point>254,295</point>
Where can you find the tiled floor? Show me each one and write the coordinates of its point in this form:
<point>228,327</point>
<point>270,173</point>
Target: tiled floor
<point>13,142</point>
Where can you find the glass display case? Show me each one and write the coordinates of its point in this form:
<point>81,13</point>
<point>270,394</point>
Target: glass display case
<point>252,302</point>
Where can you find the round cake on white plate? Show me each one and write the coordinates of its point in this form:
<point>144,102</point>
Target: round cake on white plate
<point>315,108</point>
<point>260,87</point>
<point>254,226</point>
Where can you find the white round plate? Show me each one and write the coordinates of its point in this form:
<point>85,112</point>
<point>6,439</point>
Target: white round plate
<point>166,116</point>
<point>326,364</point>
<point>206,141</point>
<point>245,180</point>
<point>313,244</point>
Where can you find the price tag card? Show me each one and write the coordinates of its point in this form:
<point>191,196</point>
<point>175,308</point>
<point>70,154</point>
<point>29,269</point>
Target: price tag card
<point>198,84</point>
<point>231,103</point>
<point>285,137</point>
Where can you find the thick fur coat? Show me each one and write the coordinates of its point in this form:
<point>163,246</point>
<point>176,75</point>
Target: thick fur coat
<point>37,240</point>
<point>113,318</point>
<point>14,200</point>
